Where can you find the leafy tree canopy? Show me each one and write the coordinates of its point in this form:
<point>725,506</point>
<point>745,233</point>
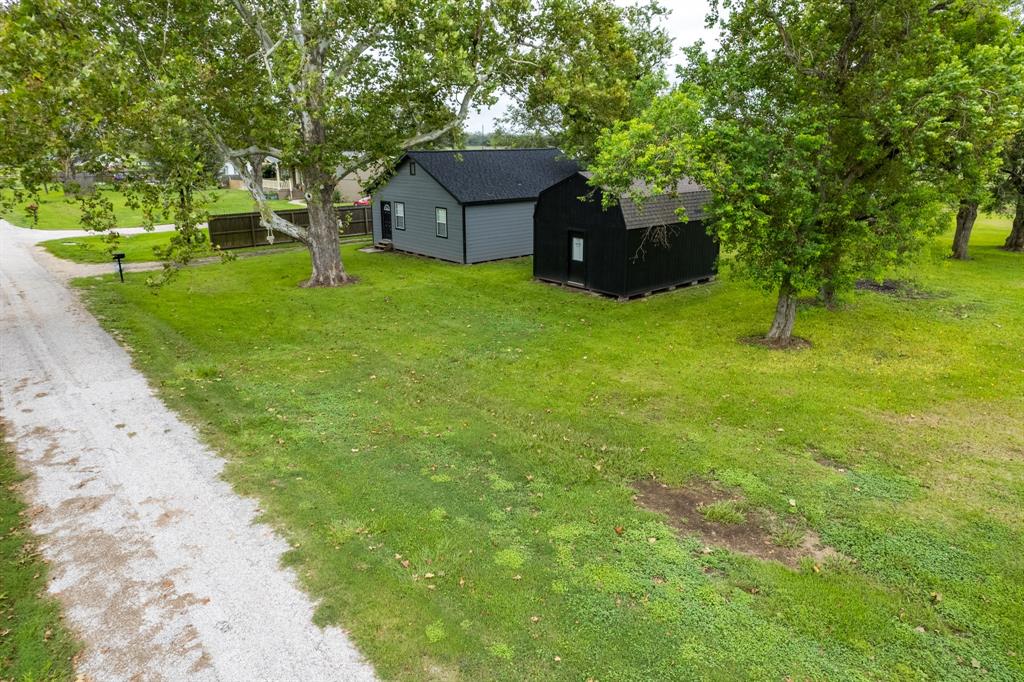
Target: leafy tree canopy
<point>832,133</point>
<point>327,88</point>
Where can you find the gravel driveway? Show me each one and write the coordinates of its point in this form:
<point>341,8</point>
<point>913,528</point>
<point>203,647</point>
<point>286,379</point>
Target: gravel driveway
<point>160,566</point>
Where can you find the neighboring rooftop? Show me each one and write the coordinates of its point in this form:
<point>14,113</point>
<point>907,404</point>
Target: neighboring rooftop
<point>475,176</point>
<point>660,209</point>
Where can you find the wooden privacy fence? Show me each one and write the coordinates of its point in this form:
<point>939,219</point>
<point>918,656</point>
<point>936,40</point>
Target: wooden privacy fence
<point>243,230</point>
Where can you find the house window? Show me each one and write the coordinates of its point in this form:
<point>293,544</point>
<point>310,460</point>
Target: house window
<point>399,215</point>
<point>412,168</point>
<point>441,218</point>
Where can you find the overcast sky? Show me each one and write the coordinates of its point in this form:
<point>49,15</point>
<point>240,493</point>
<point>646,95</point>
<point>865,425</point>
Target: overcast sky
<point>685,25</point>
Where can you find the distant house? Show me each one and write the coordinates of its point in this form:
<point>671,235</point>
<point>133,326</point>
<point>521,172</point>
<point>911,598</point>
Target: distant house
<point>616,250</point>
<point>287,183</point>
<point>465,206</point>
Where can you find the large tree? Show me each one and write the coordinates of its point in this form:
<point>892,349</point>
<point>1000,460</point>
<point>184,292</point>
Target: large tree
<point>50,128</point>
<point>978,164</point>
<point>1008,191</point>
<point>330,88</point>
<point>827,130</point>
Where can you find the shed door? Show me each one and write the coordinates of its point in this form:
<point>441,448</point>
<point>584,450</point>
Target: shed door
<point>385,220</point>
<point>577,259</point>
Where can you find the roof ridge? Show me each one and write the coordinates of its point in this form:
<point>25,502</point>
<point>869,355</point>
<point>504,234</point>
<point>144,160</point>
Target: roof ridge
<point>494,149</point>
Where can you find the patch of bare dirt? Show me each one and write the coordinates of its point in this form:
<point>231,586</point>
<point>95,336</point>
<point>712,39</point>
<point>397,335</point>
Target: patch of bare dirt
<point>829,463</point>
<point>75,506</point>
<point>760,535</point>
<point>794,343</point>
<point>168,517</point>
<point>895,288</point>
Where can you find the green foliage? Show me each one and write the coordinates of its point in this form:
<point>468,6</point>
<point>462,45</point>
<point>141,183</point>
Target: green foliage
<point>525,412</point>
<point>174,88</point>
<point>1008,189</point>
<point>724,511</point>
<point>34,644</point>
<point>519,140</point>
<point>833,135</point>
<point>603,64</point>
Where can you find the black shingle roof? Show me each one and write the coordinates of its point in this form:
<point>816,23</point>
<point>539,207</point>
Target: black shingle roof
<point>660,209</point>
<point>495,175</point>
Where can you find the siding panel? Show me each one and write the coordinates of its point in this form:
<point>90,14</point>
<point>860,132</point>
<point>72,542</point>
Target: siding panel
<point>499,231</point>
<point>421,194</point>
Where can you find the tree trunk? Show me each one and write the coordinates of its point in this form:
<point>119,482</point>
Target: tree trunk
<point>965,218</point>
<point>67,176</point>
<point>781,331</point>
<point>256,163</point>
<point>827,294</point>
<point>830,272</point>
<point>323,244</point>
<point>1015,242</point>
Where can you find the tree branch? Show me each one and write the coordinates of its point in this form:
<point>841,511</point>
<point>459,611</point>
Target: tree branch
<point>467,101</point>
<point>790,50</point>
<point>348,62</point>
<point>255,149</point>
<point>268,218</point>
<point>267,44</point>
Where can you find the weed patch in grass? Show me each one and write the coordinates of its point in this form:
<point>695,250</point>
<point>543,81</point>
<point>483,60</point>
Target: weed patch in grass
<point>723,511</point>
<point>897,289</point>
<point>794,343</point>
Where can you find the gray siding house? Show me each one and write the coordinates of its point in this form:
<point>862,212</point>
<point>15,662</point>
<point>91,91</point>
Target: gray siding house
<point>466,206</point>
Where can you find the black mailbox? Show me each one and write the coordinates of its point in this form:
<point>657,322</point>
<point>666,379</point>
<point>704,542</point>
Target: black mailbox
<point>119,257</point>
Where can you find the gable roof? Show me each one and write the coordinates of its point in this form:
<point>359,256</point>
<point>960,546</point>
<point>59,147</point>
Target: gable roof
<point>660,209</point>
<point>481,176</point>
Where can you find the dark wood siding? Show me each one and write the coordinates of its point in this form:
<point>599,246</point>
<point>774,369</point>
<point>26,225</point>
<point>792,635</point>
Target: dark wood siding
<point>691,255</point>
<point>615,262</point>
<point>560,211</point>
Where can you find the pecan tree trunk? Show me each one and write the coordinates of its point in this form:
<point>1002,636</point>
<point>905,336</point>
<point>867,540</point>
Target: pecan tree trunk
<point>965,218</point>
<point>781,331</point>
<point>1015,242</point>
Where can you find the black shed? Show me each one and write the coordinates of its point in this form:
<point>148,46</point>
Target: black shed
<point>614,251</point>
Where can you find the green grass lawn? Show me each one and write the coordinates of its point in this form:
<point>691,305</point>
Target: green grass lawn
<point>136,248</point>
<point>56,212</point>
<point>34,645</point>
<point>451,452</point>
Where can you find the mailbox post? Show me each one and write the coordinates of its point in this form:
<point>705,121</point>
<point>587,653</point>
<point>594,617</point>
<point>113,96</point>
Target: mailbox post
<point>119,257</point>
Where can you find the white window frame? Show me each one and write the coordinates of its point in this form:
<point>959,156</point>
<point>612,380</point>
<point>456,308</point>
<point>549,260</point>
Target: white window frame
<point>412,168</point>
<point>439,212</point>
<point>399,215</point>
